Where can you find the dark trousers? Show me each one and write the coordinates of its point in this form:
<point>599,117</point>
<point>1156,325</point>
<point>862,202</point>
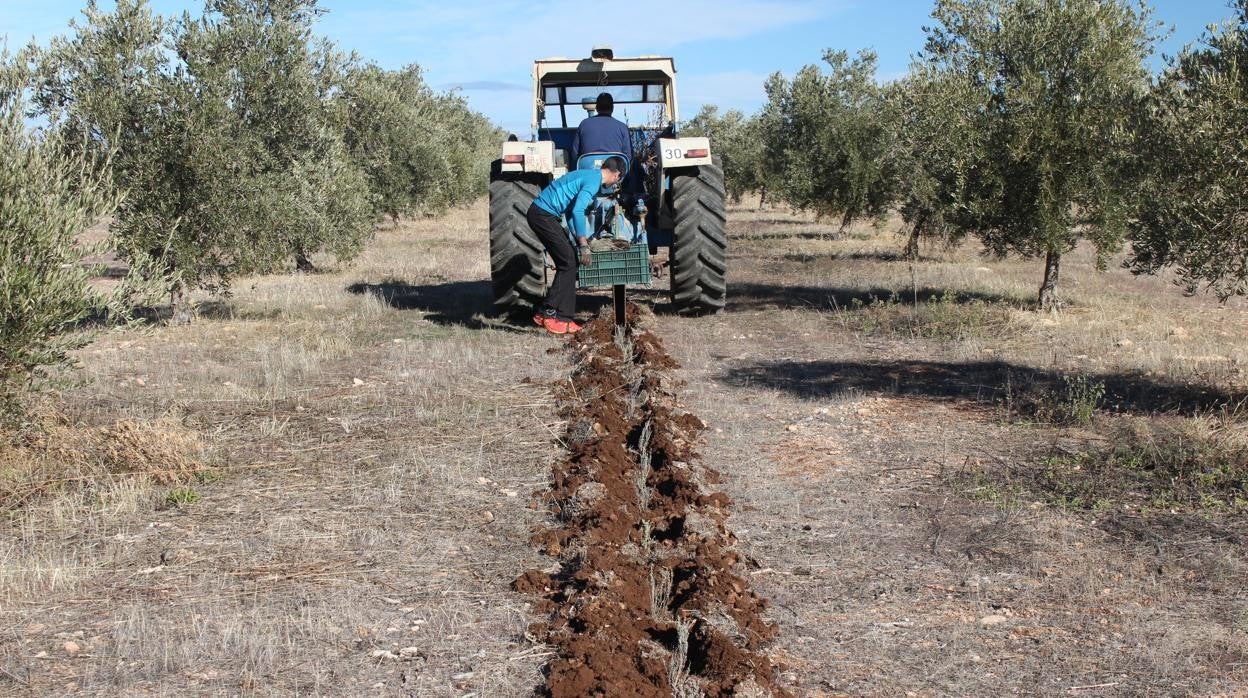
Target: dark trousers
<point>561,297</point>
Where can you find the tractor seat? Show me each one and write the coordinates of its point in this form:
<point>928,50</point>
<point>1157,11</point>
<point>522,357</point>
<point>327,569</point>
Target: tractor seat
<point>603,210</point>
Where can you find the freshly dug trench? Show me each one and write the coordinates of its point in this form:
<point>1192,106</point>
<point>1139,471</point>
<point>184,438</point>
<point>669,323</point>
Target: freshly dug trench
<point>644,601</point>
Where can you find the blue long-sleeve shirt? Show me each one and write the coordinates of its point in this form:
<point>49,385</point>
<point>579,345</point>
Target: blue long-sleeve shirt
<point>570,195</point>
<point>601,134</point>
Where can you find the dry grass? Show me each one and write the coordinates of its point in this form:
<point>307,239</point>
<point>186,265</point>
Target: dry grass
<point>54,456</point>
<point>1192,472</point>
<point>374,443</point>
<point>372,460</point>
<point>1112,321</point>
<point>842,406</point>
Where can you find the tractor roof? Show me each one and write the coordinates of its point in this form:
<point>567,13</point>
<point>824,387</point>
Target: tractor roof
<point>603,68</point>
<point>560,70</point>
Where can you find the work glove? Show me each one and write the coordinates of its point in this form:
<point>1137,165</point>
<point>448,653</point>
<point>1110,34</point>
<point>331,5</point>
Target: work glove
<point>587,256</point>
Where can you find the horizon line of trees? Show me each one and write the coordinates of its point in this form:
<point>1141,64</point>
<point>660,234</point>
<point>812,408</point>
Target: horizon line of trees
<point>231,142</point>
<point>1029,125</point>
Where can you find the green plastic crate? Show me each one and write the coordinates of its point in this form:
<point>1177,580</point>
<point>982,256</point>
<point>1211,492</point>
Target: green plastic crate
<point>611,267</point>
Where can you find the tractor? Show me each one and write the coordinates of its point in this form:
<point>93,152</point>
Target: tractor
<point>672,197</point>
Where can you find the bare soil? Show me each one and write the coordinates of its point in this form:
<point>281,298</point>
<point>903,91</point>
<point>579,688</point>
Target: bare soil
<point>645,600</point>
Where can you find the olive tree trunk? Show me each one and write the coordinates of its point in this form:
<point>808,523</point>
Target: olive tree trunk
<point>303,263</point>
<point>1048,289</point>
<point>180,310</point>
<point>912,244</point>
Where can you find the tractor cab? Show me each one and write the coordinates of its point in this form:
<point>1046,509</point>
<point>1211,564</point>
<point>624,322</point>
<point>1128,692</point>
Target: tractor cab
<point>672,196</point>
<point>566,90</point>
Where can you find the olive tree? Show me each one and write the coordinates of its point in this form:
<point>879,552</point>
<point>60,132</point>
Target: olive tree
<point>97,85</point>
<point>825,132</point>
<point>277,79</point>
<point>932,153</point>
<point>1055,84</point>
<point>48,197</point>
<point>421,151</point>
<point>464,144</point>
<point>1193,204</point>
<point>109,92</point>
<point>736,140</point>
<point>217,131</point>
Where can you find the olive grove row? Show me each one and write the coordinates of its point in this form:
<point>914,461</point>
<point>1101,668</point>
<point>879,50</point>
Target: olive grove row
<point>1030,125</point>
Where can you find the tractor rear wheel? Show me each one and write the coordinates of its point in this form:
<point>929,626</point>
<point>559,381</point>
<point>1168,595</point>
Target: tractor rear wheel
<point>515,252</point>
<point>699,242</point>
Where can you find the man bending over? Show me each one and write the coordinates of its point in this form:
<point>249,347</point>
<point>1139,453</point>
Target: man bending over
<point>569,196</point>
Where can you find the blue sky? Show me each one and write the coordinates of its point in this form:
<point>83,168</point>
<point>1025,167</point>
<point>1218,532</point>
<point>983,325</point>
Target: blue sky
<point>724,49</point>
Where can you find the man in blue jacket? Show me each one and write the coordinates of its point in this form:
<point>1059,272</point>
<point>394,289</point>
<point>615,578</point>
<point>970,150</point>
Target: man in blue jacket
<point>602,133</point>
<point>567,196</point>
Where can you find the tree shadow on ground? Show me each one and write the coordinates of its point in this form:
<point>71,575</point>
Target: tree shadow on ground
<point>101,318</point>
<point>829,236</point>
<point>224,309</point>
<point>749,296</point>
<point>467,304</point>
<point>773,220</point>
<point>459,303</point>
<point>865,256</point>
<point>988,382</point>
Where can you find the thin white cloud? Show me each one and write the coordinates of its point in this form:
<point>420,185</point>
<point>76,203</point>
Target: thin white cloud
<point>489,39</point>
<point>474,45</point>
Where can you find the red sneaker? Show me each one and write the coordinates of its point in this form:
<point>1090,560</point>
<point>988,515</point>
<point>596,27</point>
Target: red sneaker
<point>539,319</point>
<point>556,326</point>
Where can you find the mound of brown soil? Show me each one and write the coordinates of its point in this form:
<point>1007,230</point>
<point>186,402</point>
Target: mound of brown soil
<point>644,600</point>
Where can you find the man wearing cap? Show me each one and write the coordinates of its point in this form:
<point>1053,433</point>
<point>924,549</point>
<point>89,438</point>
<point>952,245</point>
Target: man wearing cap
<point>602,133</point>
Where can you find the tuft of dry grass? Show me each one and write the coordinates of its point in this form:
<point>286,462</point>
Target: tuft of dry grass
<point>53,456</point>
<point>945,315</point>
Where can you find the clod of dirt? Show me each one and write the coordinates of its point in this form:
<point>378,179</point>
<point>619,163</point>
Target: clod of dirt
<point>175,555</point>
<point>580,432</point>
<point>585,498</point>
<point>644,601</point>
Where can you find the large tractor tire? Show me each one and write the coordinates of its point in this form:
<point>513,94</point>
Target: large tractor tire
<point>699,242</point>
<point>515,252</point>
